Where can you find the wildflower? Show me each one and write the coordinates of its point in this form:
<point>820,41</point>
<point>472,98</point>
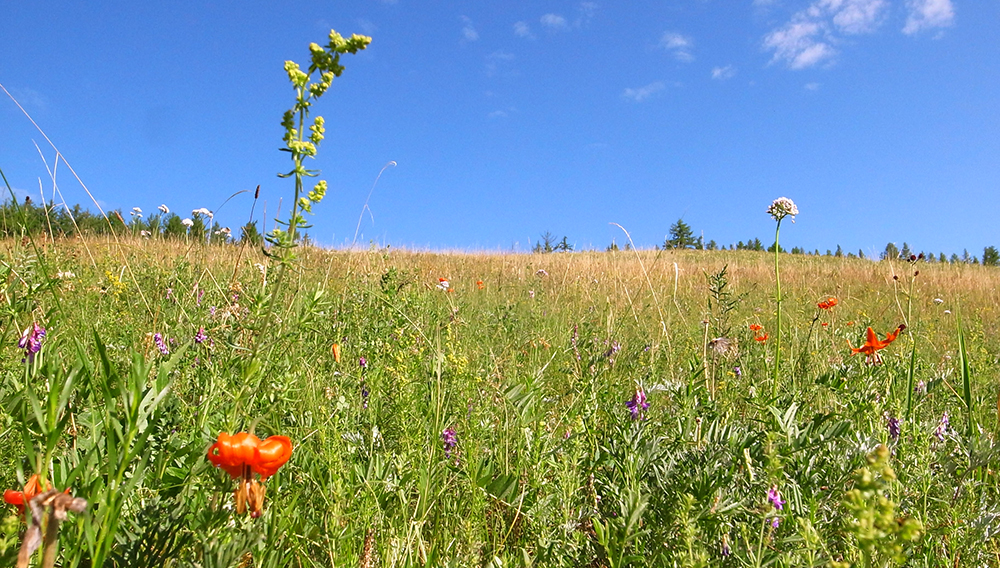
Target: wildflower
<point>443,284</point>
<point>225,232</point>
<point>201,293</point>
<point>737,371</point>
<point>947,312</point>
<point>164,209</point>
<point>479,284</point>
<point>757,335</point>
<point>202,211</point>
<point>638,405</point>
<point>450,440</point>
<point>335,349</point>
<point>145,234</point>
<point>31,341</point>
<point>541,272</point>
<point>775,498</point>
<point>364,397</point>
<point>160,344</point>
<point>828,304</point>
<point>187,222</point>
<point>612,351</point>
<point>892,423</point>
<point>756,327</point>
<point>363,363</point>
<point>942,428</point>
<point>920,387</point>
<point>783,207</point>
<point>136,212</point>
<point>850,323</point>
<point>775,522</point>
<point>211,311</point>
<point>531,294</point>
<point>65,275</point>
<point>761,338</point>
<point>20,499</point>
<point>938,301</point>
<point>200,337</point>
<point>241,455</point>
<point>170,293</point>
<point>872,345</point>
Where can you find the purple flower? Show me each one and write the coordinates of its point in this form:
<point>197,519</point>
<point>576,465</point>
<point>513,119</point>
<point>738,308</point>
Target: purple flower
<point>200,337</point>
<point>364,397</point>
<point>170,293</point>
<point>775,522</point>
<point>363,363</point>
<point>200,294</point>
<point>942,428</point>
<point>610,353</point>
<point>775,498</point>
<point>892,423</point>
<point>158,340</point>
<point>638,405</point>
<point>450,440</point>
<point>211,311</point>
<point>738,372</point>
<point>31,341</point>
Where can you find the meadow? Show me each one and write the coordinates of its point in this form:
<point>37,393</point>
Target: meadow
<point>573,409</point>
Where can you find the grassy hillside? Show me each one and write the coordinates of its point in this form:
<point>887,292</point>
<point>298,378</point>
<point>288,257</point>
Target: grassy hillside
<point>501,419</point>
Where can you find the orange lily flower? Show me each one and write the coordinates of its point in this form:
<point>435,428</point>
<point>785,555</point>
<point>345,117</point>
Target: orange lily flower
<point>828,304</point>
<point>241,455</point>
<point>761,338</point>
<point>756,327</point>
<point>479,284</point>
<point>19,499</point>
<point>873,344</point>
<point>335,348</point>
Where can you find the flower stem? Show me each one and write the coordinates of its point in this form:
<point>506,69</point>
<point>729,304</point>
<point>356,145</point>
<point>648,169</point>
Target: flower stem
<point>777,327</point>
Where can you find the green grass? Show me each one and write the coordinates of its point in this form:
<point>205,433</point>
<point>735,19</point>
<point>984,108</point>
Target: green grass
<point>532,372</point>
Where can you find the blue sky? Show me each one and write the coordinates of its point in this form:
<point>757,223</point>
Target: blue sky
<point>879,118</point>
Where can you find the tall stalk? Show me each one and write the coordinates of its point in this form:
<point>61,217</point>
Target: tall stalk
<point>780,208</point>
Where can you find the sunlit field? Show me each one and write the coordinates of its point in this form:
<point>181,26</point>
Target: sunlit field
<point>574,409</point>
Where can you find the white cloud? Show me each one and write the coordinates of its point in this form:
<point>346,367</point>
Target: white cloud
<point>856,16</point>
<point>587,11</point>
<point>811,86</point>
<point>809,37</point>
<point>679,45</point>
<point>926,14</point>
<point>799,44</point>
<point>499,63</point>
<point>554,21</point>
<point>469,33</point>
<point>723,73</point>
<point>642,93</point>
<point>522,29</point>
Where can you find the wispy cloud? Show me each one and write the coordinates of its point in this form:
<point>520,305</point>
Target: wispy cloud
<point>554,21</point>
<point>925,14</point>
<point>499,63</point>
<point>642,93</point>
<point>809,37</point>
<point>723,73</point>
<point>522,29</point>
<point>469,32</point>
<point>587,11</point>
<point>811,86</point>
<point>680,46</point>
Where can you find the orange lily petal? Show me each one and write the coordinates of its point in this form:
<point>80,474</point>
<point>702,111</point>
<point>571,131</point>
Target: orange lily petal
<point>272,453</point>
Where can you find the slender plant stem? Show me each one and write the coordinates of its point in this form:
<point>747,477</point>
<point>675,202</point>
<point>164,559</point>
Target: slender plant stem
<point>777,326</point>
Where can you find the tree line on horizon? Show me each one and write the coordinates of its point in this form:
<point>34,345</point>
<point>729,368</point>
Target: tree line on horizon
<point>56,220</point>
<point>681,236</point>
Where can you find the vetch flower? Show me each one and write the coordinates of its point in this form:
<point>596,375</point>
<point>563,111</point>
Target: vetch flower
<point>783,207</point>
<point>892,424</point>
<point>638,405</point>
<point>942,428</point>
<point>363,363</point>
<point>160,344</point>
<point>775,498</point>
<point>200,337</point>
<point>242,455</point>
<point>872,345</point>
<point>31,341</point>
<point>450,440</point>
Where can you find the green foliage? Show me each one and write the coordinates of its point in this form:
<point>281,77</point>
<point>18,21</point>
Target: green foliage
<point>681,236</point>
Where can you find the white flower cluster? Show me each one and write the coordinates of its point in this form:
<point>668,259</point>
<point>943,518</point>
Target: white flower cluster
<point>781,208</point>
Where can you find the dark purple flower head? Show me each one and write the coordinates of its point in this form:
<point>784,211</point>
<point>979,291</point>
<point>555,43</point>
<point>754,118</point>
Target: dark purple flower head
<point>450,439</point>
<point>775,498</point>
<point>160,344</point>
<point>363,363</point>
<point>31,341</point>
<point>364,397</point>
<point>892,423</point>
<point>737,371</point>
<point>200,337</point>
<point>638,405</point>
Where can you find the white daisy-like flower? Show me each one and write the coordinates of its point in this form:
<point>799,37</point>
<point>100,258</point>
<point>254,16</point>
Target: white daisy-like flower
<point>783,207</point>
<point>202,211</point>
<point>938,301</point>
<point>136,211</point>
<point>187,222</point>
<point>224,231</point>
<point>164,209</point>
